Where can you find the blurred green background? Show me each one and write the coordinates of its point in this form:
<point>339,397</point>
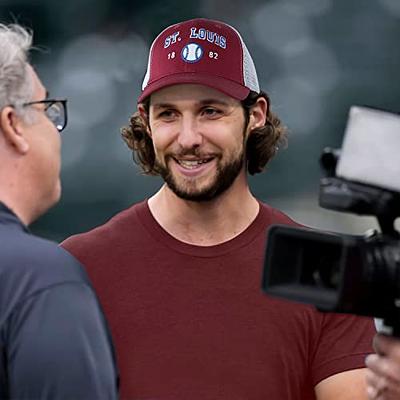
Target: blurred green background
<point>315,58</point>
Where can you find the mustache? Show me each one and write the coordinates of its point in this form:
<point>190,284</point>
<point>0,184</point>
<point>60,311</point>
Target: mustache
<point>194,152</point>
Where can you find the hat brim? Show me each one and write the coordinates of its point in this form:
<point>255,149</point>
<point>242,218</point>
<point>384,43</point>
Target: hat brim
<point>224,85</point>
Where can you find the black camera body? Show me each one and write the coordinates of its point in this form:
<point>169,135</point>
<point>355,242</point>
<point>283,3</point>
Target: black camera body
<point>357,274</point>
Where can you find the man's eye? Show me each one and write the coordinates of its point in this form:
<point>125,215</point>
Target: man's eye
<point>166,114</point>
<point>210,112</point>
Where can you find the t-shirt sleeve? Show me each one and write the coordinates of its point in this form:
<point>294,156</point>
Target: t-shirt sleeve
<point>344,342</point>
<point>59,347</point>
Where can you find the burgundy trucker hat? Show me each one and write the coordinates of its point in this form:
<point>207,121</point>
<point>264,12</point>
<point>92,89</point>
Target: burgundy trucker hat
<point>201,51</point>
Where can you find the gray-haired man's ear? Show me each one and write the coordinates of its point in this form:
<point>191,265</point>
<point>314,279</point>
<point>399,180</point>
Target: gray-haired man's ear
<point>12,129</point>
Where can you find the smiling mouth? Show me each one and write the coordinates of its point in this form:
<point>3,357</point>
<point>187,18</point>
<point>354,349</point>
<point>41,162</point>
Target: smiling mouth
<point>193,164</point>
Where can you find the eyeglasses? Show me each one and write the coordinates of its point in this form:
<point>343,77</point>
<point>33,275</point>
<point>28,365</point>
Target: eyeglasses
<point>55,110</point>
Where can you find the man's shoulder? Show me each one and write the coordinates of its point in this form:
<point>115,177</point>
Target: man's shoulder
<point>30,265</point>
<point>119,225</point>
<point>23,251</point>
<point>272,216</point>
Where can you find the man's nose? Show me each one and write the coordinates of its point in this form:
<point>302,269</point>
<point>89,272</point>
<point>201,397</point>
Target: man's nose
<point>189,135</point>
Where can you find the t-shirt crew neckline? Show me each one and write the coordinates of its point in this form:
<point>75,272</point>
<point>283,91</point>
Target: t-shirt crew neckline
<point>157,232</point>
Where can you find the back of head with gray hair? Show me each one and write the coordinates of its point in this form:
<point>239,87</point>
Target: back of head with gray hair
<point>16,86</point>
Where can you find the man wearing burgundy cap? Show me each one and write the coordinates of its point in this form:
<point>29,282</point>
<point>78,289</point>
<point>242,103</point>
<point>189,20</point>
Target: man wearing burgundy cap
<point>179,274</point>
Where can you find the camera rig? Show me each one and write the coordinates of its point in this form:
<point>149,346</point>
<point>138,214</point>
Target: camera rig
<point>358,274</point>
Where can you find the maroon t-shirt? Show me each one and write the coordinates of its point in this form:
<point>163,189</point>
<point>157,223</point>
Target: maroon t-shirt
<point>191,322</point>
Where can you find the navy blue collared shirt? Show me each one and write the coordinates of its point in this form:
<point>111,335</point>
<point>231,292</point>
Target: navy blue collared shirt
<point>54,341</point>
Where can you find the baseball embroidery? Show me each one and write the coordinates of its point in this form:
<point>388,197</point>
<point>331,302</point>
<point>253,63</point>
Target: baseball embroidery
<point>192,53</point>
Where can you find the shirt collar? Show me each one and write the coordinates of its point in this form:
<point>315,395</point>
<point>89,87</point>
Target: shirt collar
<point>8,217</point>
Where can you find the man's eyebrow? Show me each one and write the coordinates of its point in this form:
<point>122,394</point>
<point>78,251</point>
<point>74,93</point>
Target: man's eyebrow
<point>163,105</point>
<point>201,103</point>
<point>214,101</point>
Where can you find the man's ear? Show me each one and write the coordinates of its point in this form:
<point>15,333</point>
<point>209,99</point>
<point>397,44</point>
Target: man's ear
<point>13,130</point>
<point>258,113</point>
<point>145,117</point>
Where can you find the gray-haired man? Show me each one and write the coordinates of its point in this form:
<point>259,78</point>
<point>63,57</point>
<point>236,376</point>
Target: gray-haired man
<point>54,342</point>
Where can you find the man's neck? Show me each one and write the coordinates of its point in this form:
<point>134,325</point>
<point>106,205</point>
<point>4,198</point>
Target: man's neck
<point>16,198</point>
<point>15,209</point>
<point>204,223</point>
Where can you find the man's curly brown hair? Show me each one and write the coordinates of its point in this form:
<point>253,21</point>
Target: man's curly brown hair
<point>262,143</point>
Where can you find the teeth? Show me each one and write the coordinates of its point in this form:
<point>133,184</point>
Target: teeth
<point>191,164</point>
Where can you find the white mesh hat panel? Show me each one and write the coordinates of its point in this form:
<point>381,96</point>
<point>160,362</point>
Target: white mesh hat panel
<point>249,70</point>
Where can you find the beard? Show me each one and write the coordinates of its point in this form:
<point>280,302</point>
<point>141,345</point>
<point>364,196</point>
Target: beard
<point>224,177</point>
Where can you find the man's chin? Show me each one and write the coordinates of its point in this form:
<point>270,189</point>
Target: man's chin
<point>58,191</point>
<point>205,188</point>
<point>195,197</point>
<point>56,195</point>
<point>200,195</point>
